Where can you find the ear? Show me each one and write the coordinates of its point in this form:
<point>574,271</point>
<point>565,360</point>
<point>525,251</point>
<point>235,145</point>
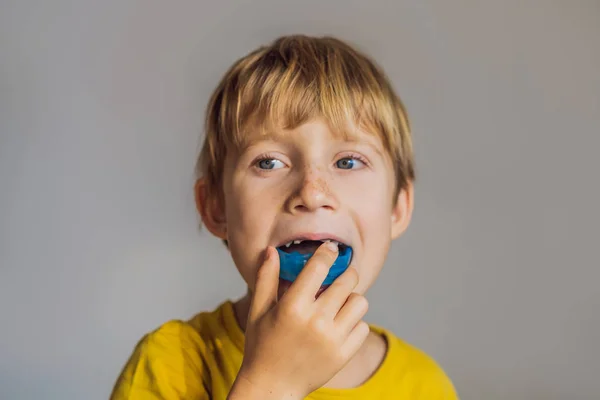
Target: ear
<point>211,209</point>
<point>402,211</point>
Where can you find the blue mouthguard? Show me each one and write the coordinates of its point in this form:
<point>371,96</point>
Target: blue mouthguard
<point>292,263</point>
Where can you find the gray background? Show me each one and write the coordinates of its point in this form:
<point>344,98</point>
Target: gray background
<point>101,108</point>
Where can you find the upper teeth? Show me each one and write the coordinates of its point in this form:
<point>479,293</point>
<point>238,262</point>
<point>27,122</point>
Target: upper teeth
<point>298,241</point>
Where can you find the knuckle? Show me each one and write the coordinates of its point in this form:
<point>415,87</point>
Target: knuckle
<point>290,310</point>
<point>360,302</point>
<point>320,266</point>
<point>363,328</point>
<point>319,325</point>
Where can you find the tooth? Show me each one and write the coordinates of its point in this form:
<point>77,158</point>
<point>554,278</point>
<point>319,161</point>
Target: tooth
<point>288,244</point>
<point>297,241</point>
<point>328,240</point>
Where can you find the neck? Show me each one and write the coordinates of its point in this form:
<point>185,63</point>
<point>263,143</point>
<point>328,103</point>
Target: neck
<point>241,309</point>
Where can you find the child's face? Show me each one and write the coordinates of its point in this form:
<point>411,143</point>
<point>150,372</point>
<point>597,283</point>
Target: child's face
<point>309,183</point>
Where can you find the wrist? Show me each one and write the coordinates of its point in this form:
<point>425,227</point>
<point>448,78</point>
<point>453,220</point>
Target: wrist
<point>248,387</point>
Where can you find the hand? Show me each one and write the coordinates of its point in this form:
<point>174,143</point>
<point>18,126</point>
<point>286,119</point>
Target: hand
<point>297,344</point>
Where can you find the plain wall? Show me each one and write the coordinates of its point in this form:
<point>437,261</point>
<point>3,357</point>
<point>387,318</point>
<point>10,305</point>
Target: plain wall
<point>101,107</point>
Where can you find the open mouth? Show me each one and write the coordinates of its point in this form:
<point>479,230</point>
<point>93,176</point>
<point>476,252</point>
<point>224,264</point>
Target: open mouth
<point>295,254</point>
<point>308,246</point>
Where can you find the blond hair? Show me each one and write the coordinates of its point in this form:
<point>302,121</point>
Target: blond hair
<point>293,80</point>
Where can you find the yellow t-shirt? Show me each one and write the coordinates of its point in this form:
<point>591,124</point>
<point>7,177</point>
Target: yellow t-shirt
<point>199,359</point>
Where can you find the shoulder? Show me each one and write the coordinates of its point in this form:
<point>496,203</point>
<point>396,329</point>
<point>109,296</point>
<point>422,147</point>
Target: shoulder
<point>173,340</point>
<point>194,336</point>
<point>417,370</point>
<point>170,359</point>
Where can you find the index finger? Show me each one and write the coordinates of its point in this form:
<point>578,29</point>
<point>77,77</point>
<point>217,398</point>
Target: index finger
<point>314,272</point>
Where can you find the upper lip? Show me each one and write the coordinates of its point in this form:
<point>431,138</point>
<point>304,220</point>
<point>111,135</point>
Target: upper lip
<point>313,236</point>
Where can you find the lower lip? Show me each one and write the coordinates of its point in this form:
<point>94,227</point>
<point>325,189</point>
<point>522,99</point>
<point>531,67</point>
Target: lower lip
<point>285,285</point>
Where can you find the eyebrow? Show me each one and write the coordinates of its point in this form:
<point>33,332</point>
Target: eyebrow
<point>350,137</point>
<point>367,142</point>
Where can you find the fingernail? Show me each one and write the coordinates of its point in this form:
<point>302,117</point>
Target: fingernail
<point>332,246</point>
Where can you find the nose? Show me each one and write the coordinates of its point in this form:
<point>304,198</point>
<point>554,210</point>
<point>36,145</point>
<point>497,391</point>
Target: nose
<point>313,193</point>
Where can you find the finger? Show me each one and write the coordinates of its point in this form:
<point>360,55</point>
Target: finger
<point>265,287</point>
<point>351,312</point>
<point>314,273</point>
<point>332,299</point>
<point>355,339</point>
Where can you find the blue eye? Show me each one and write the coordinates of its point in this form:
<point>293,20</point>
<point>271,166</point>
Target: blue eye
<point>270,163</point>
<point>348,163</point>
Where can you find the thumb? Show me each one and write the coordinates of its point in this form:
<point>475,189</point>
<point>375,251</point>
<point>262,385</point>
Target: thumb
<point>265,287</point>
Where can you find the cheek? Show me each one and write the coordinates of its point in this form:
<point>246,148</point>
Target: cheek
<point>372,212</point>
<point>250,213</point>
<point>375,247</point>
<point>370,197</point>
<point>375,229</point>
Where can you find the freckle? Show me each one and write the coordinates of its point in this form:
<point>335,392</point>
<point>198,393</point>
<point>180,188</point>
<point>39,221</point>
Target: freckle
<point>323,187</point>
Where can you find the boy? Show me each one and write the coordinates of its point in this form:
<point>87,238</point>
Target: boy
<point>307,147</point>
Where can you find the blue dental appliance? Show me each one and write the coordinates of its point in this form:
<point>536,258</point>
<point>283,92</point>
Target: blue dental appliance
<point>292,263</point>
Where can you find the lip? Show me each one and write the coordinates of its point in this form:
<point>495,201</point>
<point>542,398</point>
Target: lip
<point>314,236</point>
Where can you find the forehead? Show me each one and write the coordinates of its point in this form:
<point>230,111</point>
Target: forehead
<point>349,132</point>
